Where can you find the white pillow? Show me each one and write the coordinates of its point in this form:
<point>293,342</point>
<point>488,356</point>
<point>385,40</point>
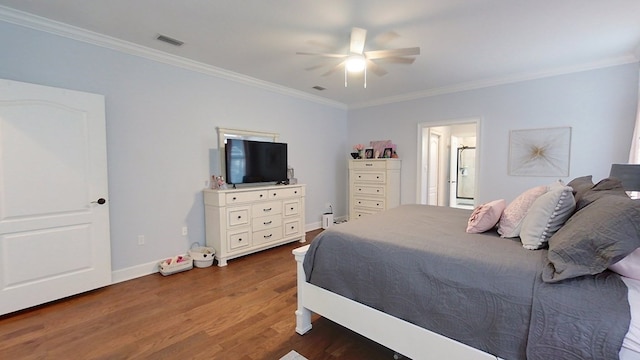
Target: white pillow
<point>511,219</point>
<point>628,266</point>
<point>546,215</point>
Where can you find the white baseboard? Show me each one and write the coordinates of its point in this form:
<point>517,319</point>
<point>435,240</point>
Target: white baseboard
<point>133,272</point>
<point>149,268</point>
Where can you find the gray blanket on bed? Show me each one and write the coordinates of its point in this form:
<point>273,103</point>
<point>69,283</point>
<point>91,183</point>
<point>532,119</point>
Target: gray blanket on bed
<point>417,263</point>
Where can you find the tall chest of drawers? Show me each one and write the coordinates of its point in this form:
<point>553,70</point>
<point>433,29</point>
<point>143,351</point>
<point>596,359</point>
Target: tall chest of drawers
<point>374,186</point>
<point>243,221</point>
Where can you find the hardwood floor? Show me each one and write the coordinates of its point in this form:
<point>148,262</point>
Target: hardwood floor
<point>242,311</point>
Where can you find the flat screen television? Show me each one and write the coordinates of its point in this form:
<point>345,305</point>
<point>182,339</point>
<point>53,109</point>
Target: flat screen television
<point>248,161</point>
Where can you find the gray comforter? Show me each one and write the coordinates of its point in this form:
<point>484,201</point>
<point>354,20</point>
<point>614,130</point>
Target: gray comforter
<point>417,263</point>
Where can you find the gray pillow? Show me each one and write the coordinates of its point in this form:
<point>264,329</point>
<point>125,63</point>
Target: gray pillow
<point>593,238</point>
<point>581,185</point>
<point>605,187</point>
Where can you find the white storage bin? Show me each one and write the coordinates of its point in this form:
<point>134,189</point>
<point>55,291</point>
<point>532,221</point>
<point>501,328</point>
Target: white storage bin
<point>202,255</point>
<point>176,264</point>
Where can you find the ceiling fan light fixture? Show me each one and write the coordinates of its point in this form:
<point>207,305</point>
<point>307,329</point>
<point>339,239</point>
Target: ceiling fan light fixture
<point>355,63</point>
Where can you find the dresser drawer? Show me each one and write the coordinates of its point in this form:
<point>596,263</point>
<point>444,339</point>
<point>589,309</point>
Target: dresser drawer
<point>359,213</point>
<point>266,208</point>
<point>239,240</point>
<point>292,227</point>
<point>285,192</point>
<point>368,190</point>
<point>246,196</point>
<point>266,236</point>
<point>266,222</point>
<point>291,207</point>
<point>369,165</point>
<point>370,203</point>
<point>238,216</point>
<point>369,176</point>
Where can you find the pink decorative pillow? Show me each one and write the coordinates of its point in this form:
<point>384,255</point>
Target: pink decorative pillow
<point>628,266</point>
<point>511,220</point>
<point>485,216</point>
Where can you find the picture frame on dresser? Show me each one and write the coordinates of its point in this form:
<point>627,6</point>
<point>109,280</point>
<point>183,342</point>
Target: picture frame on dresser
<point>368,153</point>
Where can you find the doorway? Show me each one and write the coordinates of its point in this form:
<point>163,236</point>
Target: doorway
<point>448,159</point>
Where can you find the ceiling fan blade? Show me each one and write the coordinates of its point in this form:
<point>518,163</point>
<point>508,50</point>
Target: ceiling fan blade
<point>397,60</point>
<point>375,68</point>
<point>358,37</point>
<point>379,54</point>
<point>321,54</point>
<point>334,69</point>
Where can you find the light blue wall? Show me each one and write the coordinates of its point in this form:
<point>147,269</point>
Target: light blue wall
<point>161,123</point>
<point>599,105</point>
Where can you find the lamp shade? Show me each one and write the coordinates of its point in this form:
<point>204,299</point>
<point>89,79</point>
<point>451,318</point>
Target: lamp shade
<point>629,174</point>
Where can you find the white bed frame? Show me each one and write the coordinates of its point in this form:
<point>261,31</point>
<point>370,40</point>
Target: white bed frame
<point>402,337</point>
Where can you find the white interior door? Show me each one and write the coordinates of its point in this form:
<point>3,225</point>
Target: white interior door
<point>434,168</point>
<point>54,217</point>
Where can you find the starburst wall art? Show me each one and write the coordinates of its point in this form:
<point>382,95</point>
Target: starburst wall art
<point>540,152</point>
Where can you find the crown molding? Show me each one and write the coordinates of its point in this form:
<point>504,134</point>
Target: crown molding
<point>32,21</point>
<point>64,30</point>
<point>514,78</point>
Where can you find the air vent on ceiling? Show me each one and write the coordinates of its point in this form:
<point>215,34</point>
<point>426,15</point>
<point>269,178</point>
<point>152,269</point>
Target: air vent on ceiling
<point>170,40</point>
<point>319,88</point>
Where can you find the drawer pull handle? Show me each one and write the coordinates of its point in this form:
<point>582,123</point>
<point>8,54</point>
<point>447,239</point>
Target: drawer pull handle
<point>234,198</point>
<point>368,164</point>
<point>268,236</point>
<point>378,190</point>
<point>268,209</point>
<point>239,217</point>
<point>377,177</point>
<point>293,227</point>
<point>291,208</point>
<point>274,194</point>
<point>295,192</point>
<point>239,239</point>
<point>267,222</point>
<point>359,202</point>
<point>260,195</point>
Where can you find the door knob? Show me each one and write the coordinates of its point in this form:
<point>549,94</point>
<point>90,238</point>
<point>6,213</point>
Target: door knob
<point>99,201</point>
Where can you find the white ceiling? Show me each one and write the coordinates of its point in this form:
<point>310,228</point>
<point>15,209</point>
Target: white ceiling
<point>464,43</point>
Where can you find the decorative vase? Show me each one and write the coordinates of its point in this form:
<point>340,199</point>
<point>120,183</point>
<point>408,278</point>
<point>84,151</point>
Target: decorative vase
<point>360,154</point>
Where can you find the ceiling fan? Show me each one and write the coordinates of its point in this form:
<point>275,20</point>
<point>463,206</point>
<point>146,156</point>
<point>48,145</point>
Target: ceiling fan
<point>359,60</point>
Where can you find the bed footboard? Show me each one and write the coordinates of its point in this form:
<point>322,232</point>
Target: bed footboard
<point>303,315</point>
<point>396,334</point>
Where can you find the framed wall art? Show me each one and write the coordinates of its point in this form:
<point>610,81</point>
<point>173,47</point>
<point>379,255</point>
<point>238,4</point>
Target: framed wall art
<point>540,152</point>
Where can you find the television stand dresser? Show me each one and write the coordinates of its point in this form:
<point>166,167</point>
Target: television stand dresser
<point>242,221</point>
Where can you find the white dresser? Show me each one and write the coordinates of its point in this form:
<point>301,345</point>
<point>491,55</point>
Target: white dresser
<point>243,221</point>
<point>374,186</point>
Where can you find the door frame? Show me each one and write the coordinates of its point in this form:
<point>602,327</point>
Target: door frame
<point>422,181</point>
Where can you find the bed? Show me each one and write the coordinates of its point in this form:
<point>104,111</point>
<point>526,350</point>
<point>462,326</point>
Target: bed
<point>416,282</point>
